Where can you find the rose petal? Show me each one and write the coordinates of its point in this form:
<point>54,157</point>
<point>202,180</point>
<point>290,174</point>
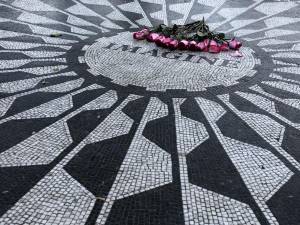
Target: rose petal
<point>236,54</point>
<point>166,42</point>
<point>152,37</point>
<point>206,42</point>
<point>224,47</point>
<point>214,49</point>
<point>201,46</point>
<point>239,44</point>
<point>213,43</point>
<point>139,36</point>
<point>173,44</point>
<point>159,40</point>
<point>234,44</point>
<point>184,44</point>
<point>193,46</point>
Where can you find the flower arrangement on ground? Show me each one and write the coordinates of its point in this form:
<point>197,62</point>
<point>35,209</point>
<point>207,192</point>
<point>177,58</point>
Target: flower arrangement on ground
<point>195,36</point>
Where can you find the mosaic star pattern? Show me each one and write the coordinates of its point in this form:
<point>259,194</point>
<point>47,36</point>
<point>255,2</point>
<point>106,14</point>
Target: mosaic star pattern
<point>99,129</point>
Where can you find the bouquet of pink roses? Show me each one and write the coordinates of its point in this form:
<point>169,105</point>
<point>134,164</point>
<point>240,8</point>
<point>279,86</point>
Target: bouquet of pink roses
<point>194,36</point>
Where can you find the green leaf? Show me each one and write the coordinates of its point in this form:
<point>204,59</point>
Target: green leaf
<point>197,31</point>
<point>221,35</point>
<point>160,28</point>
<point>167,31</point>
<point>180,37</point>
<point>200,34</point>
<point>190,36</point>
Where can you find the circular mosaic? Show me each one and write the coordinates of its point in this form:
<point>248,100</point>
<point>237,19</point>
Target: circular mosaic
<point>139,63</point>
<point>97,128</point>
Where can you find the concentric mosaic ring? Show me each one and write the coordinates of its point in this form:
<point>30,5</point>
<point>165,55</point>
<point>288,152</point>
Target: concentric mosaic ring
<point>96,128</point>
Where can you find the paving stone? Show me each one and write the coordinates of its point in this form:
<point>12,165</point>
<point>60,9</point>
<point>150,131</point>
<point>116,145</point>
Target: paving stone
<point>99,129</point>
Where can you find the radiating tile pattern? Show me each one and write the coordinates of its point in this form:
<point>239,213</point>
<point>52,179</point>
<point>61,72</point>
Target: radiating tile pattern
<point>97,128</point>
<point>200,205</point>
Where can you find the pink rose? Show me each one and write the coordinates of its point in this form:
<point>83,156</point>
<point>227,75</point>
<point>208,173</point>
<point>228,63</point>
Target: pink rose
<point>166,42</point>
<point>193,46</point>
<point>159,41</point>
<point>152,37</point>
<point>214,47</point>
<point>201,46</point>
<point>173,44</point>
<point>224,46</point>
<point>234,44</point>
<point>183,45</point>
<point>139,35</point>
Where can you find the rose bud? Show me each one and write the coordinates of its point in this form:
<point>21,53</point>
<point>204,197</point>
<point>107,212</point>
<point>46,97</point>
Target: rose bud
<point>193,46</point>
<point>236,54</point>
<point>224,46</point>
<point>214,47</point>
<point>139,36</point>
<point>201,46</point>
<point>152,37</point>
<point>173,44</point>
<point>184,44</point>
<point>234,44</point>
<point>166,42</point>
<point>159,40</point>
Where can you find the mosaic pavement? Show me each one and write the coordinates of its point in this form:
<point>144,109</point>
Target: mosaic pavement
<point>97,128</point>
